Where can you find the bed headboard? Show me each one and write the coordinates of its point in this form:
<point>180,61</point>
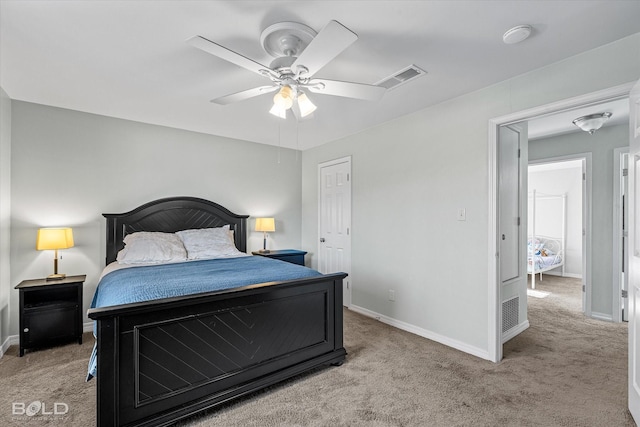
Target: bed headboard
<point>170,215</point>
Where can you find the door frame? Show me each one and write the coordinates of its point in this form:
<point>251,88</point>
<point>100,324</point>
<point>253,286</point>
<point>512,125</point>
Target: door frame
<point>586,159</point>
<point>617,232</point>
<point>348,281</point>
<point>493,282</point>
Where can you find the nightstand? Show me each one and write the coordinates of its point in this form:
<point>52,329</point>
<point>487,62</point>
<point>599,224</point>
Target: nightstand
<point>293,256</point>
<point>50,311</point>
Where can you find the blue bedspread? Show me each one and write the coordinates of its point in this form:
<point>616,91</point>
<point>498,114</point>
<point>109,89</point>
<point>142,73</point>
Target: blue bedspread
<point>147,283</point>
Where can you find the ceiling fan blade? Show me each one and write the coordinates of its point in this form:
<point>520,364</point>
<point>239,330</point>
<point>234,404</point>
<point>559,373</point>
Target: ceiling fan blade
<point>228,55</point>
<point>245,94</point>
<point>347,89</point>
<point>330,41</point>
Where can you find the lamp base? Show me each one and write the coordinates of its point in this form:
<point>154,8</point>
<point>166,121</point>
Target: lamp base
<point>264,251</point>
<point>59,276</point>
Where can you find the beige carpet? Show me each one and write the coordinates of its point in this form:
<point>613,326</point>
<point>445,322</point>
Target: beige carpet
<point>565,370</point>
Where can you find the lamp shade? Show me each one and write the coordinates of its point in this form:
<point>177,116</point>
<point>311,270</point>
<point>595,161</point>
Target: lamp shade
<point>54,238</point>
<point>265,224</point>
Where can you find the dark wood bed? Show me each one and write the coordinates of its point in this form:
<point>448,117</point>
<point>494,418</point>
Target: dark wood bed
<point>237,341</point>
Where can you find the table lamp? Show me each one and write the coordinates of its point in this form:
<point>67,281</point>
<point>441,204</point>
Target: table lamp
<point>54,238</point>
<point>265,225</point>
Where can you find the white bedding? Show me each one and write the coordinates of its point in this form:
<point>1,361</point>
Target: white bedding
<point>543,254</point>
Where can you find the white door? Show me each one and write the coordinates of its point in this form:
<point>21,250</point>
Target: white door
<point>512,222</point>
<point>334,246</point>
<point>634,252</point>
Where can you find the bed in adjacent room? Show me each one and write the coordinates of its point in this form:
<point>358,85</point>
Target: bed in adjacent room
<point>185,320</point>
<point>546,253</point>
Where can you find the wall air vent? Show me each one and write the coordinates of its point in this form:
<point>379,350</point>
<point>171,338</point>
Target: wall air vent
<point>401,77</point>
<point>510,314</point>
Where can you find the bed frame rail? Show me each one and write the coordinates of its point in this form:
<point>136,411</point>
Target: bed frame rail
<point>162,361</point>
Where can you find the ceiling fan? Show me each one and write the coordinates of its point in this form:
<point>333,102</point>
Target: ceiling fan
<point>299,54</point>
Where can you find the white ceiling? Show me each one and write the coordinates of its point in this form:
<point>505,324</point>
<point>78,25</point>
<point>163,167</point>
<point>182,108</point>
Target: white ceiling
<point>129,59</point>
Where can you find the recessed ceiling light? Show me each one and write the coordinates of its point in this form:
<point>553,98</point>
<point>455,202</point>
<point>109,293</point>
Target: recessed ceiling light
<point>517,34</point>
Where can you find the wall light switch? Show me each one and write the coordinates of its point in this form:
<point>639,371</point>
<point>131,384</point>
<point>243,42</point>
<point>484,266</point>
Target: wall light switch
<point>462,214</point>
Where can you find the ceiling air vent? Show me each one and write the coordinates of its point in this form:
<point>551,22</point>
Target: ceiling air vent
<point>401,77</point>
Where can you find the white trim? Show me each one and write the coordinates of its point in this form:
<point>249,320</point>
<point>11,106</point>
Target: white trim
<point>494,294</point>
<point>515,331</point>
<point>586,219</point>
<point>345,159</point>
<point>593,98</point>
<point>5,346</point>
<point>570,275</point>
<point>617,233</point>
<point>87,327</point>
<point>11,340</point>
<point>601,316</point>
<point>494,289</point>
<point>458,345</point>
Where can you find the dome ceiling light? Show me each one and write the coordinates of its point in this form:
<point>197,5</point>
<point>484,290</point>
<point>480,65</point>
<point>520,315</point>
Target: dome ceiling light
<point>592,122</point>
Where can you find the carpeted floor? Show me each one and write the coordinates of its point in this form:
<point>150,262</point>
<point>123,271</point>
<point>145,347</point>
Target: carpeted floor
<point>565,370</point>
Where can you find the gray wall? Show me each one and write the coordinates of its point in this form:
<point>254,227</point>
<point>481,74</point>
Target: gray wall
<point>5,214</point>
<point>601,146</point>
<point>69,167</point>
<point>412,174</point>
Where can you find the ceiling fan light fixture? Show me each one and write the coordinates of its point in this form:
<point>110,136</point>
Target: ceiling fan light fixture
<point>299,52</point>
<point>278,111</point>
<point>306,106</point>
<point>592,122</point>
<point>284,98</point>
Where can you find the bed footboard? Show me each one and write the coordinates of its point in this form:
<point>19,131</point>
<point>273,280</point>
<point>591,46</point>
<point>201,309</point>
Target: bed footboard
<point>164,360</point>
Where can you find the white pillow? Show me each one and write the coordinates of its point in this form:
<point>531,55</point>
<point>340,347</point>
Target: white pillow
<point>151,247</point>
<point>207,243</point>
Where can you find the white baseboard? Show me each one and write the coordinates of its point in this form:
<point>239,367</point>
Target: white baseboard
<point>458,345</point>
<point>11,340</point>
<point>87,327</point>
<point>559,274</point>
<point>5,346</point>
<point>511,333</point>
<point>602,316</point>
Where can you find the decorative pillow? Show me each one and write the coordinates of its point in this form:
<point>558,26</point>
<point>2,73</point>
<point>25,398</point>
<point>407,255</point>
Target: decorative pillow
<point>151,247</point>
<point>207,243</point>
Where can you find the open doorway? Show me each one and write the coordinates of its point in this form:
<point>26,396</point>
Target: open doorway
<point>555,225</point>
<point>601,306</point>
